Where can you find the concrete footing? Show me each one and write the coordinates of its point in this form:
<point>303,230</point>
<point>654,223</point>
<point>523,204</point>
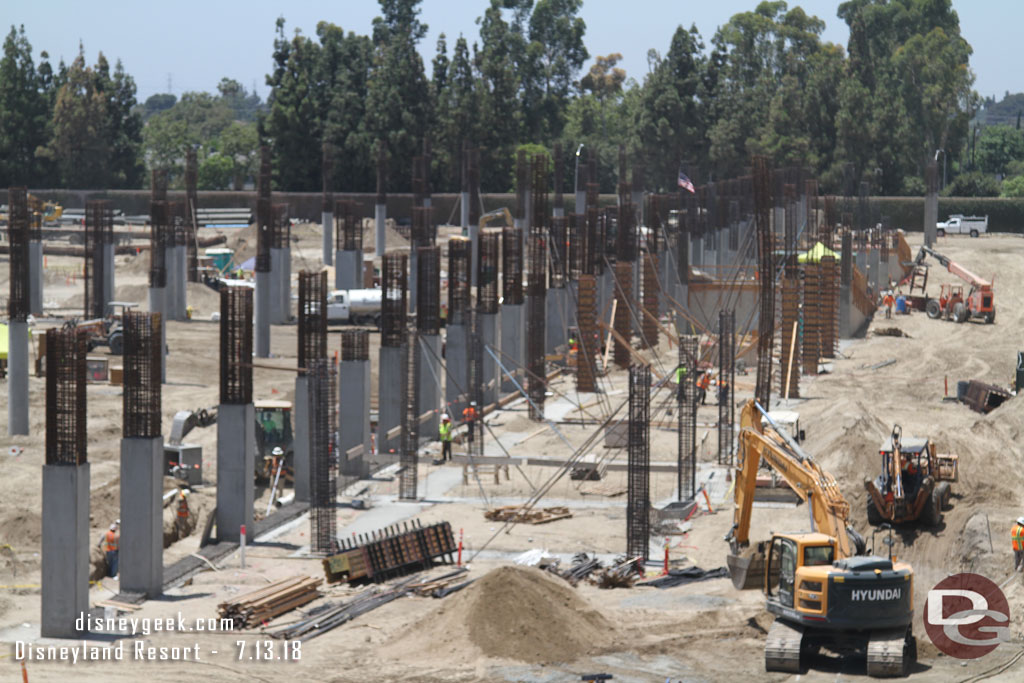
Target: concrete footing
<point>429,396</point>
<point>354,415</point>
<point>236,449</point>
<point>327,221</point>
<point>35,277</point>
<point>390,401</point>
<point>141,548</point>
<point>157,304</point>
<point>17,378</point>
<point>65,558</point>
<point>456,361</point>
<point>300,444</point>
<point>513,350</point>
<point>348,270</point>
<point>181,303</point>
<point>261,315</point>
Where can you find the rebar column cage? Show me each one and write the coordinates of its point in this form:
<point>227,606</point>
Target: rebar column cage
<point>638,521</point>
<point>424,230</point>
<point>475,377</point>
<point>428,290</point>
<point>593,258</point>
<point>236,345</point>
<point>586,317</point>
<point>810,320</point>
<point>35,218</point>
<point>312,335</point>
<point>458,281</point>
<point>159,232</point>
<point>487,272</point>
<point>323,470</point>
<point>394,298</point>
<point>408,474</point>
<point>192,213</point>
<point>537,247</point>
<point>348,225</point>
<point>558,252</point>
<point>559,201</point>
<point>355,345</point>
<point>99,230</point>
<point>648,323</point>
<point>142,372</point>
<point>622,322</point>
<point>686,397</point>
<point>576,244</point>
<point>512,265</point>
<point>19,303</point>
<point>625,230</point>
<point>726,389</point>
<point>66,439</point>
<point>766,274</point>
<point>536,296</point>
<point>829,274</point>
<point>281,234</point>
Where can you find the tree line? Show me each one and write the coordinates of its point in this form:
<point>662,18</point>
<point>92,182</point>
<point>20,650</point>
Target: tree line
<point>898,95</point>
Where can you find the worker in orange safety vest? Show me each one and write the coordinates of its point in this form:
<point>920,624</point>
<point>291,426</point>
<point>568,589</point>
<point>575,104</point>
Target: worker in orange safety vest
<point>469,417</point>
<point>109,544</point>
<point>1017,537</point>
<point>703,382</point>
<point>181,522</point>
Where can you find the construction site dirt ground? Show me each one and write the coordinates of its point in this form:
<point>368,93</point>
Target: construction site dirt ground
<point>701,631</point>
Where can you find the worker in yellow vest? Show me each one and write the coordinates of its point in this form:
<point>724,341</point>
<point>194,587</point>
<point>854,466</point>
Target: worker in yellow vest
<point>1017,537</point>
<point>681,373</point>
<point>445,432</point>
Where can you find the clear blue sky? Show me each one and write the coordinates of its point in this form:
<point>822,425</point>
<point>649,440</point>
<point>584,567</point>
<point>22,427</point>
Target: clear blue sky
<point>193,44</point>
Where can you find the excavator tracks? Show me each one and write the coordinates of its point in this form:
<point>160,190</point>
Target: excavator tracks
<point>890,652</point>
<point>782,648</point>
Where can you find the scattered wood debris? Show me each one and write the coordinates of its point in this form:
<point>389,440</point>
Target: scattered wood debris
<point>620,575</point>
<point>523,515</point>
<point>439,586</point>
<point>891,332</point>
<point>249,610</point>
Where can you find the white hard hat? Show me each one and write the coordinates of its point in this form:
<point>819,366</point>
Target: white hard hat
<point>113,527</point>
<point>444,416</point>
<point>1020,520</point>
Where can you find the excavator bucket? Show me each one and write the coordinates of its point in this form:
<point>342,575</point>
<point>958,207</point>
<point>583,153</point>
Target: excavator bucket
<point>747,569</point>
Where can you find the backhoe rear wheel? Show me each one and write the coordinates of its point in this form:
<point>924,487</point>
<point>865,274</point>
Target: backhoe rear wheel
<point>960,313</point>
<point>932,513</point>
<point>933,308</point>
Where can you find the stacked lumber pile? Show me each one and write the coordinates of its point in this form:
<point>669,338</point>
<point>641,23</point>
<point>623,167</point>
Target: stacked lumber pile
<point>523,515</point>
<point>252,609</point>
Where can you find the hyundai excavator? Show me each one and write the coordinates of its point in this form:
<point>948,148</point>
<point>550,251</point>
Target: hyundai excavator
<point>824,591</point>
<point>952,304</point>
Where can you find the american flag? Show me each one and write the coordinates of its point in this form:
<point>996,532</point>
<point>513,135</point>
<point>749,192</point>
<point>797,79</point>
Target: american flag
<point>685,182</point>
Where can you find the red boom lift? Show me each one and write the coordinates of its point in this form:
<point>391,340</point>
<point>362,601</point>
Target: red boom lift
<point>952,304</point>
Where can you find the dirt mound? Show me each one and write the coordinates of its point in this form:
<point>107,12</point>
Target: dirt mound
<point>514,613</point>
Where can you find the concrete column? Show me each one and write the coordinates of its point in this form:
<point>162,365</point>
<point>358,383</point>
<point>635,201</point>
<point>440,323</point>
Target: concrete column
<point>696,250</point>
<point>464,211</point>
<point>474,254</point>
<point>861,259</point>
<point>171,290</point>
<point>348,270</point>
<point>456,360</point>
<point>875,279</point>
<point>108,276</point>
<point>301,466</point>
<point>327,220</point>
<point>605,294</point>
<point>581,201</point>
<point>286,285</point>
<point>236,450</point>
<point>65,558</point>
<point>141,549</point>
<point>430,372</point>
<point>931,203</point>
<point>845,312</point>
<point>681,295</point>
<point>182,301</point>
<point>261,315</point>
<point>488,323</point>
<point>157,304</point>
<point>17,377</point>
<point>513,351</point>
<point>669,276</point>
<point>390,401</point>
<point>276,312</point>
<point>354,415</point>
<point>558,211</point>
<point>35,277</point>
<point>380,215</point>
<point>555,333</point>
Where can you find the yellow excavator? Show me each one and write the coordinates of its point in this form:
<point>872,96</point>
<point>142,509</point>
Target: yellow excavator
<point>824,591</point>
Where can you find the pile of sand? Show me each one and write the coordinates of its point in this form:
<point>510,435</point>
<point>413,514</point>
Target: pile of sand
<point>514,613</point>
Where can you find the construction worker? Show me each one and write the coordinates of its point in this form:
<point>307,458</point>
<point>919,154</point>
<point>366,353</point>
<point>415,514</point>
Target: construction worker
<point>445,431</point>
<point>188,312</point>
<point>703,382</point>
<point>1017,537</point>
<point>109,545</point>
<point>681,373</point>
<point>181,521</point>
<point>888,302</point>
<point>469,417</point>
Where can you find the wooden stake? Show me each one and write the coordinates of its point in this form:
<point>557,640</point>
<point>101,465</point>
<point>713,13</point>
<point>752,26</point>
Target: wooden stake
<point>789,366</point>
<point>608,339</point>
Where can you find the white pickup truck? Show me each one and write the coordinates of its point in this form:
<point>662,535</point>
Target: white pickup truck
<point>356,306</point>
<point>959,224</point>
